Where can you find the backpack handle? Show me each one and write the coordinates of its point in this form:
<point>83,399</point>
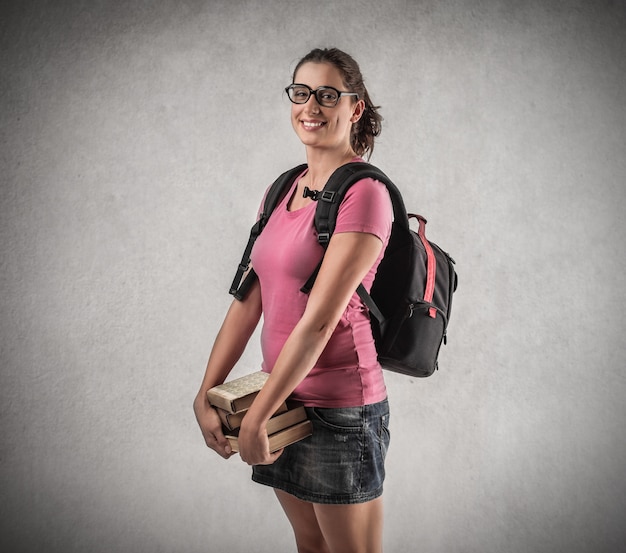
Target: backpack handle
<point>431,269</point>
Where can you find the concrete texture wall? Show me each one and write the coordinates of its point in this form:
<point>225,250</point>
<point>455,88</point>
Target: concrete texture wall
<point>137,139</point>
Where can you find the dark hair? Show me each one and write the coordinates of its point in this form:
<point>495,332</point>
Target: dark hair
<point>369,125</point>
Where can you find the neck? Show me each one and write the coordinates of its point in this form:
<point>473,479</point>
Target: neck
<point>322,163</point>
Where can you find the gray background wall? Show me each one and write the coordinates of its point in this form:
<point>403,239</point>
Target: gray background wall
<point>137,139</point>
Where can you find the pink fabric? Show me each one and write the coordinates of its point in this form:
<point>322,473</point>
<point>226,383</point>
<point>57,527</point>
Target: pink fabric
<point>347,373</point>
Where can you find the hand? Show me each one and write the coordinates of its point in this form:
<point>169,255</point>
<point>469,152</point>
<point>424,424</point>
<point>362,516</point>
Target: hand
<point>254,445</point>
<point>211,427</point>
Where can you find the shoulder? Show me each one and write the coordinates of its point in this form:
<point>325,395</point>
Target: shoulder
<point>367,194</point>
<point>366,207</point>
<point>368,187</point>
<point>280,188</point>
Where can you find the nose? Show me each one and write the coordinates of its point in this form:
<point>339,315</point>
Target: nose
<point>313,106</point>
<point>314,95</point>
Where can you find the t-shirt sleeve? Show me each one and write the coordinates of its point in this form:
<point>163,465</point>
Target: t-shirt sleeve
<point>366,208</point>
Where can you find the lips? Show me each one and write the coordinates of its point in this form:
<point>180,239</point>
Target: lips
<point>313,125</point>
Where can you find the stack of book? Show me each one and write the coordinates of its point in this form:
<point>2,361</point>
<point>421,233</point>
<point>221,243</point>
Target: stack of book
<point>233,398</point>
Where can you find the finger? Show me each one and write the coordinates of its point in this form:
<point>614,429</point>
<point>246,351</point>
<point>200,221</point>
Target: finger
<point>224,450</point>
<point>223,443</point>
<point>220,446</point>
<point>269,459</point>
<point>276,455</point>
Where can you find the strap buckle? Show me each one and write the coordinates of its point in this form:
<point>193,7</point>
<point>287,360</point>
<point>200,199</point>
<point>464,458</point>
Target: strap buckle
<point>323,238</point>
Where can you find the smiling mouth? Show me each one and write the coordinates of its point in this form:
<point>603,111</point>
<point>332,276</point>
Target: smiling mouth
<point>313,124</point>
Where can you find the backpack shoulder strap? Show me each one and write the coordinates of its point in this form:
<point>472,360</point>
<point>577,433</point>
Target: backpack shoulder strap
<point>335,190</point>
<point>329,200</point>
<point>279,188</point>
<point>274,195</point>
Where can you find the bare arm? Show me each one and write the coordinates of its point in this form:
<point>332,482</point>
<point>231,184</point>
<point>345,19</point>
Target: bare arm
<point>239,324</point>
<point>347,260</point>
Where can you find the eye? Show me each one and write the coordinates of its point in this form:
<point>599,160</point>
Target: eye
<point>299,93</point>
<point>328,95</point>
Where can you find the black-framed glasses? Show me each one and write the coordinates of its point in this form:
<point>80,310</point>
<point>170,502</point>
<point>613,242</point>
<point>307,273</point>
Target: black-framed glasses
<point>326,96</point>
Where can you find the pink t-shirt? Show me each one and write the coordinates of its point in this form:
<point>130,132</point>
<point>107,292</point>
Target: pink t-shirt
<point>347,373</point>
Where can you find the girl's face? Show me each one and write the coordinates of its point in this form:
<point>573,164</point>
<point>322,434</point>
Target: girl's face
<point>324,127</point>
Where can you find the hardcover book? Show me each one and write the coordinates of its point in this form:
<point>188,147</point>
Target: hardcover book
<point>285,420</point>
<point>238,394</point>
<point>233,420</point>
<point>279,439</point>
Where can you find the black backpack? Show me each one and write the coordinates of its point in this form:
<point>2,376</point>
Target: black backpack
<point>411,296</point>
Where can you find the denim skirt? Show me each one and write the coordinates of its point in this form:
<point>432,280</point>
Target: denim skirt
<point>342,462</point>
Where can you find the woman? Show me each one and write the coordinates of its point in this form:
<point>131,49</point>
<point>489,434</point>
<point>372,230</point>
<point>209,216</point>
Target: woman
<point>318,348</point>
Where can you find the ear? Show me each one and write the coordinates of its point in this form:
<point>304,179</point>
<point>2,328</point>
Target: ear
<point>358,110</point>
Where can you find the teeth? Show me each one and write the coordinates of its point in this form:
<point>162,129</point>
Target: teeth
<point>309,124</point>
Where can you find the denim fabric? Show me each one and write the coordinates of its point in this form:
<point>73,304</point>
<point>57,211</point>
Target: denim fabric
<point>342,462</point>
